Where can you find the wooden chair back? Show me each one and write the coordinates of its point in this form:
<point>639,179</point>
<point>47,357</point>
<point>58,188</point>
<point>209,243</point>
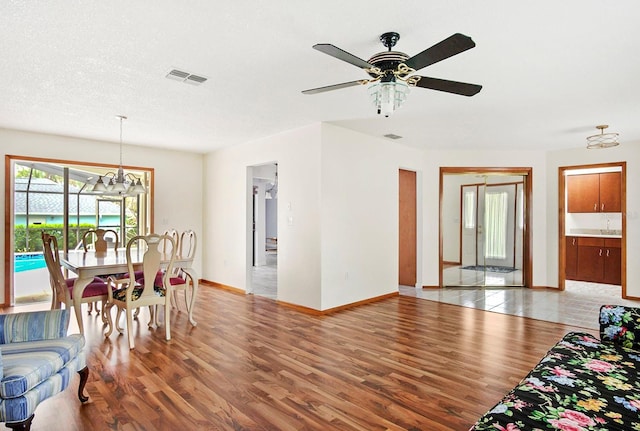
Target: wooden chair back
<point>59,287</point>
<point>188,244</point>
<point>165,245</point>
<point>98,237</point>
<point>151,247</point>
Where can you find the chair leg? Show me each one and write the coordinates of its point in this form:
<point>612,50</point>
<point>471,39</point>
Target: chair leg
<point>118,316</point>
<point>129,314</point>
<point>157,321</point>
<point>107,314</point>
<point>174,300</point>
<point>25,425</point>
<point>103,311</point>
<point>167,316</point>
<point>152,316</point>
<point>84,376</point>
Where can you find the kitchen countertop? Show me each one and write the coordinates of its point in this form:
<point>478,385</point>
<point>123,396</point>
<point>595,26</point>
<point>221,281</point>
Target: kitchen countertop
<point>596,233</point>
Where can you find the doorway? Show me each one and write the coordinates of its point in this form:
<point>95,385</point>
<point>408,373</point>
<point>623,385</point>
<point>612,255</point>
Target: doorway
<point>484,227</point>
<point>592,247</point>
<point>262,277</point>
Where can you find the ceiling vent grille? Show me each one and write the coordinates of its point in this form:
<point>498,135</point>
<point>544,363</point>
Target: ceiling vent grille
<point>392,136</point>
<point>186,77</point>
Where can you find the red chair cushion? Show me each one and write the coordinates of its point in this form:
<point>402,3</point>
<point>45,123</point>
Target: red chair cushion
<point>175,281</point>
<point>71,281</point>
<point>95,288</point>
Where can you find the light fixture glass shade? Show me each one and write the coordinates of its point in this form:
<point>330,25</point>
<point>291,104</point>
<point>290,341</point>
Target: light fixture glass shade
<point>388,96</point>
<point>100,186</point>
<point>136,188</point>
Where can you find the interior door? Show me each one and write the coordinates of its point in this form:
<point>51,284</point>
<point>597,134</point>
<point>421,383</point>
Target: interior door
<point>407,253</point>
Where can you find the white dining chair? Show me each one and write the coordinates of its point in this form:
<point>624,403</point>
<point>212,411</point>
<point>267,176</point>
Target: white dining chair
<point>129,294</point>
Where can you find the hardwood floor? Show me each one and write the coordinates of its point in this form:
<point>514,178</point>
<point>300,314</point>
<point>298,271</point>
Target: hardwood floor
<point>398,364</point>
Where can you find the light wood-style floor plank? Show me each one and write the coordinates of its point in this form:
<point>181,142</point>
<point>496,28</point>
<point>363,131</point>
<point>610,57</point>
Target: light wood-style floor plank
<point>398,364</point>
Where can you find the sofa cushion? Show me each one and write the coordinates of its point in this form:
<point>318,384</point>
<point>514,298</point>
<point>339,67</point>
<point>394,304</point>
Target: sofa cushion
<point>620,325</point>
<point>30,363</point>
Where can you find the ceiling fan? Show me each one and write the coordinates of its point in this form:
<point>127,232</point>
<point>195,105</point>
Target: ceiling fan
<point>391,72</point>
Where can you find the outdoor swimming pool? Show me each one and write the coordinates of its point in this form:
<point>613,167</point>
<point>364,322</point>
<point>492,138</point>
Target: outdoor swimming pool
<point>28,261</point>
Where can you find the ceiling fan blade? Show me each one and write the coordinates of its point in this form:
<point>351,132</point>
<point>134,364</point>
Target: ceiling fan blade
<point>454,44</point>
<point>332,87</point>
<point>343,55</point>
<point>455,87</point>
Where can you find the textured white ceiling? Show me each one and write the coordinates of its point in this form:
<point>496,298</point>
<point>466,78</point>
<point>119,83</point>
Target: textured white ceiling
<point>551,70</point>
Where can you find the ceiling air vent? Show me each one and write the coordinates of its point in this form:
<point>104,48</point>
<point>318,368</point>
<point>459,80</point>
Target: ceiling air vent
<point>392,136</point>
<point>195,79</point>
<point>186,77</point>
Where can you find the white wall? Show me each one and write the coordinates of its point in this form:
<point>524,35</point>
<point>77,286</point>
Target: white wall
<point>337,214</point>
<point>360,214</point>
<point>178,175</point>
<point>629,152</point>
<point>227,248</point>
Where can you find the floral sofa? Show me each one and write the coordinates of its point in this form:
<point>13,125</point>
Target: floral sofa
<point>37,360</point>
<point>581,384</point>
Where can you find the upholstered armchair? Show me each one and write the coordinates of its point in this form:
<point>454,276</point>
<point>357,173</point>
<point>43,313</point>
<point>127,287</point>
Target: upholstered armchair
<point>37,361</point>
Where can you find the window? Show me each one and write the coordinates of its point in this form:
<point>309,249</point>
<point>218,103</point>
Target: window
<point>56,197</point>
<point>495,221</point>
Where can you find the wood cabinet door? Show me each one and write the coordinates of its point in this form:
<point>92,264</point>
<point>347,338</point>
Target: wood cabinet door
<point>610,192</point>
<point>571,261</point>
<point>612,266</point>
<point>590,263</point>
<point>583,193</point>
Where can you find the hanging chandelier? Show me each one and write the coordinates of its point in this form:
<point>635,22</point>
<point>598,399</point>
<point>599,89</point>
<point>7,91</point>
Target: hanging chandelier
<point>603,140</point>
<point>119,183</point>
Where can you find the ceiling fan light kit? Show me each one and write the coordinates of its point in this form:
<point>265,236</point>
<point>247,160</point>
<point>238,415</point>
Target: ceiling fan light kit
<point>603,140</point>
<point>391,72</point>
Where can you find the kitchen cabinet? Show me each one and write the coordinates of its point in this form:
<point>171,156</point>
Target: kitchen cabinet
<point>592,193</point>
<point>612,262</point>
<point>594,259</point>
<point>610,192</point>
<point>571,261</point>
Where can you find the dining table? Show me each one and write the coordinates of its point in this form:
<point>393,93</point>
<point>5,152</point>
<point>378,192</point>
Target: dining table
<point>89,264</point>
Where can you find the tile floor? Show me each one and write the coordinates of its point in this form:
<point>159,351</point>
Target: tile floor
<point>456,276</point>
<point>265,277</point>
<point>577,305</point>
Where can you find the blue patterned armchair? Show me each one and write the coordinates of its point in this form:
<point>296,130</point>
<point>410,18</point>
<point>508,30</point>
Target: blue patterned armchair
<point>37,361</point>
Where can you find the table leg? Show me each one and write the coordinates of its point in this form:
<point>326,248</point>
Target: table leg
<point>78,289</point>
